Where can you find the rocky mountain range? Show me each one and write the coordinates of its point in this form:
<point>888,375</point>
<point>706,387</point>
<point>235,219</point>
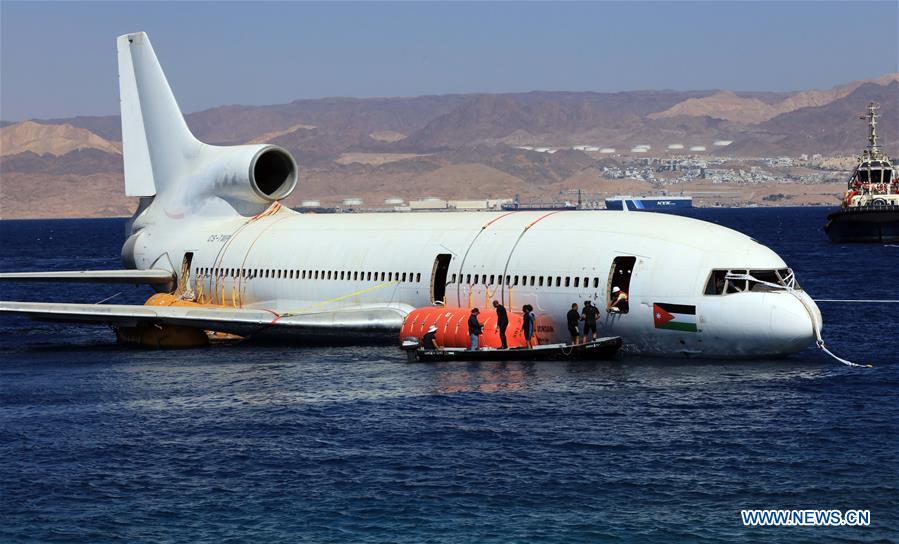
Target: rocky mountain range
<point>453,146</point>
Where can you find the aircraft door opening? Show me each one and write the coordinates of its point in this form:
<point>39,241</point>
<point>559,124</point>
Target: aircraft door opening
<point>620,277</point>
<point>438,278</point>
<point>184,277</point>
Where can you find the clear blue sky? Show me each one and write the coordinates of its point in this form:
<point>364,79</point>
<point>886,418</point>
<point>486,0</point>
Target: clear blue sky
<point>58,59</point>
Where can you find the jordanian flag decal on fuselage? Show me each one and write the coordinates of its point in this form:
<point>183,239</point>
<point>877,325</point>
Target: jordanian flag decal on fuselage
<point>674,317</point>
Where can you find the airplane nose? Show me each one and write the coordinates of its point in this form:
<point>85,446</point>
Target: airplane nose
<point>793,321</point>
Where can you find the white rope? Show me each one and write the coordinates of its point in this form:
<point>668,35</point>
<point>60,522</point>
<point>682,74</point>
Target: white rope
<point>109,298</point>
<point>788,288</point>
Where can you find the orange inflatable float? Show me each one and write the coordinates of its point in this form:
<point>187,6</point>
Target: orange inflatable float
<point>452,327</point>
<point>170,336</point>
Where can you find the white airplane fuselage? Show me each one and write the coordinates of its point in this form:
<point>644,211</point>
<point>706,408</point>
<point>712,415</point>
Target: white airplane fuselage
<point>290,262</point>
<point>210,228</point>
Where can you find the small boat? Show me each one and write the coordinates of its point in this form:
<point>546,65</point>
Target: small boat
<point>869,211</point>
<point>599,349</point>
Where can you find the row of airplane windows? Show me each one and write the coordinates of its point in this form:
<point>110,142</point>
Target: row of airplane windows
<point>533,281</point>
<point>470,279</point>
<point>277,273</point>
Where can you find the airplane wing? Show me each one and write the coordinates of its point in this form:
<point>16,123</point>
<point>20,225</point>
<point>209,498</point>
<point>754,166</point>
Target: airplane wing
<point>151,277</point>
<point>352,324</point>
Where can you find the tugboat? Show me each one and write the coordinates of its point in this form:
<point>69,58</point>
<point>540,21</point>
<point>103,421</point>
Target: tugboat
<point>869,211</point>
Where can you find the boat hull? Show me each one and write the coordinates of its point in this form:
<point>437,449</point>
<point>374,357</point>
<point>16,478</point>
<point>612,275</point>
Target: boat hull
<point>599,349</point>
<point>864,225</point>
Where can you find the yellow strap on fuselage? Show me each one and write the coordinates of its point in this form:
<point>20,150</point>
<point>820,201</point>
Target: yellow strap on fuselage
<point>338,299</point>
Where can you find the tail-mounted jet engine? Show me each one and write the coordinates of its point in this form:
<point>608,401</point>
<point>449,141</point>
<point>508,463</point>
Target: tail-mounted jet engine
<point>250,174</point>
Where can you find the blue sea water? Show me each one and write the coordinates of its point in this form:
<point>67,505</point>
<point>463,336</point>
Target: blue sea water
<point>101,443</point>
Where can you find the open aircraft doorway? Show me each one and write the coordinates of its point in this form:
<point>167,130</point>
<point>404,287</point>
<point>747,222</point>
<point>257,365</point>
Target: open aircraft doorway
<point>620,277</point>
<point>438,278</point>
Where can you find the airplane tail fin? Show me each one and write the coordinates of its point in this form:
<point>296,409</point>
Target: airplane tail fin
<point>157,145</point>
<point>177,176</point>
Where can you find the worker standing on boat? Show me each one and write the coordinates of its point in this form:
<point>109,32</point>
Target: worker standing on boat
<point>429,340</point>
<point>530,324</point>
<point>502,322</point>
<point>574,318</point>
<point>474,328</point>
<point>590,315</point>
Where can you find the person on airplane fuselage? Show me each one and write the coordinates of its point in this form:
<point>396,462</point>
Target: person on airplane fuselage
<point>619,300</point>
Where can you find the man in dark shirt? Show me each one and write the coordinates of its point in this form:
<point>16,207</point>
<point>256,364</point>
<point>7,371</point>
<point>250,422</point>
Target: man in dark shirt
<point>574,318</point>
<point>589,316</point>
<point>429,340</point>
<point>474,328</point>
<point>502,322</point>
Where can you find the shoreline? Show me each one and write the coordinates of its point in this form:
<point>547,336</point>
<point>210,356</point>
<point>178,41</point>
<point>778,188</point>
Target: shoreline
<point>678,212</point>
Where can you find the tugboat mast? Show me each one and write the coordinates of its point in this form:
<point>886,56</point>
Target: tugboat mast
<point>873,150</point>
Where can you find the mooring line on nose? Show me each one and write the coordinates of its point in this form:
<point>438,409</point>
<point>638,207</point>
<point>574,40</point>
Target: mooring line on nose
<point>819,341</point>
